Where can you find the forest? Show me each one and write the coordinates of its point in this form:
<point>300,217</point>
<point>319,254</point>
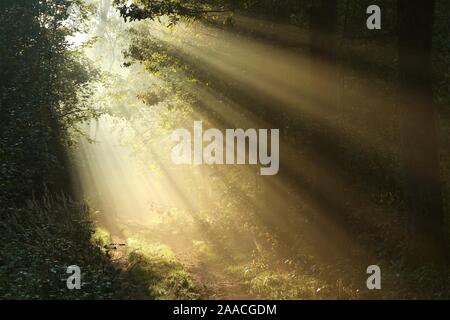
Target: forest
<point>356,119</point>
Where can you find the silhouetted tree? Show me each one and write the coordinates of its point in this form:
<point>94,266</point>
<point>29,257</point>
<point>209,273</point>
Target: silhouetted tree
<point>422,186</point>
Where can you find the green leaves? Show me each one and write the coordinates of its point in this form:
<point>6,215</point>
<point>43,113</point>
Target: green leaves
<point>175,10</point>
<point>44,90</point>
<point>40,242</point>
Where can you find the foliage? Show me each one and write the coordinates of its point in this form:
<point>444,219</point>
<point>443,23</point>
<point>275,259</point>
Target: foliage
<point>37,244</point>
<point>155,273</point>
<point>173,9</point>
<point>362,149</point>
<point>343,166</point>
<point>44,90</point>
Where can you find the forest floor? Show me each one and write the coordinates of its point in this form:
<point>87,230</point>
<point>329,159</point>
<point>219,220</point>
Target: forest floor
<point>172,260</point>
<point>210,278</point>
<point>176,259</point>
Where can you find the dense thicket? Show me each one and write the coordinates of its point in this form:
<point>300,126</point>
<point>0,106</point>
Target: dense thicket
<point>44,87</point>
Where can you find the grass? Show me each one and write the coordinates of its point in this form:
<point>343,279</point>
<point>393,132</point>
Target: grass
<point>266,281</point>
<point>40,240</point>
<point>155,273</point>
<point>38,243</point>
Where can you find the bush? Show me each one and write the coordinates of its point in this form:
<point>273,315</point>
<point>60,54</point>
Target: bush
<point>38,243</point>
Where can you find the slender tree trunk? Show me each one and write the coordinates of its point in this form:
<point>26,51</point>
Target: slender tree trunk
<point>323,33</point>
<point>327,196</point>
<point>324,75</point>
<point>420,147</point>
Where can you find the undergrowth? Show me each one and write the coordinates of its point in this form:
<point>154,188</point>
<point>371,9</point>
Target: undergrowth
<point>40,240</point>
<point>155,273</point>
<point>37,244</point>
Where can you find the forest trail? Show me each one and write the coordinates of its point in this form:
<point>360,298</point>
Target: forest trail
<point>210,276</point>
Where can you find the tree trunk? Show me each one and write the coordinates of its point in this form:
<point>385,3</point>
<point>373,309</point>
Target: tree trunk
<point>325,188</point>
<point>324,75</point>
<point>422,187</point>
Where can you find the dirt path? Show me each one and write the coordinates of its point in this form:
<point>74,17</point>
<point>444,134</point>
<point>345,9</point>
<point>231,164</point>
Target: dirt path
<point>211,277</point>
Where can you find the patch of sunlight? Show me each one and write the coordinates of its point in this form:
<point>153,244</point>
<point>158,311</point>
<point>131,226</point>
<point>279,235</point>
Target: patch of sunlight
<point>101,235</point>
<point>204,251</point>
<point>159,273</point>
<point>150,249</point>
<point>290,285</point>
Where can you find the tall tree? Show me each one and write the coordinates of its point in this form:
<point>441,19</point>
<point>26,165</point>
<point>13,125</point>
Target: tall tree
<point>323,47</point>
<point>420,147</point>
<point>326,186</point>
<point>44,87</point>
